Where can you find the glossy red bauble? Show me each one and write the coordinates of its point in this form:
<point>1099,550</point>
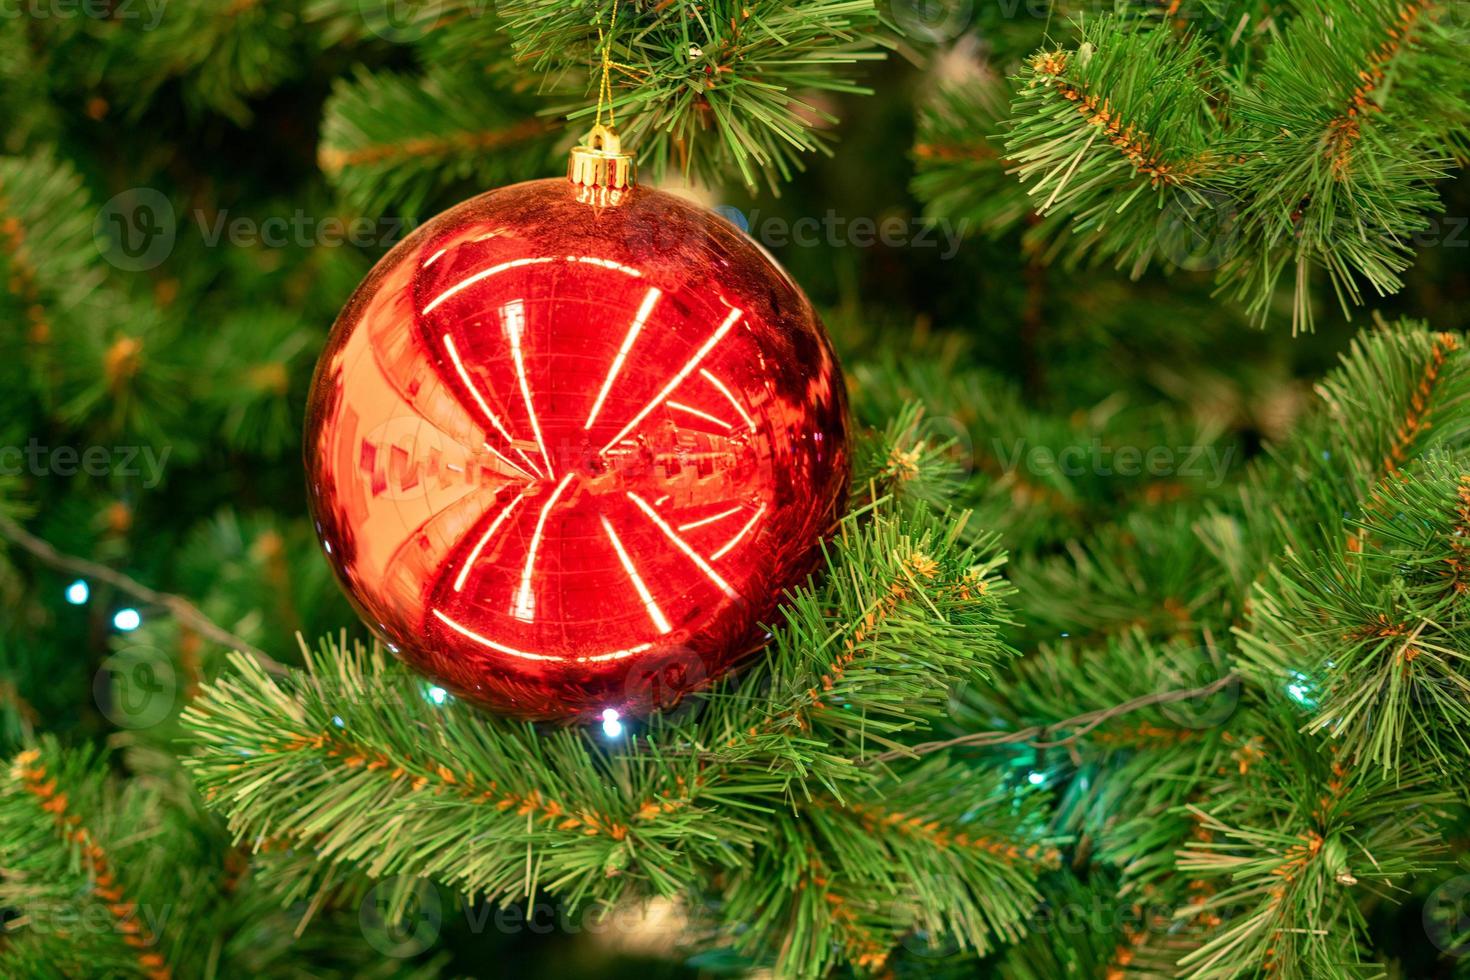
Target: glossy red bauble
<point>566,459</point>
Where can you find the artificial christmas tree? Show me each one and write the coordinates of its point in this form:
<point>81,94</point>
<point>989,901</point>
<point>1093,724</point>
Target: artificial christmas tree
<point>1139,649</point>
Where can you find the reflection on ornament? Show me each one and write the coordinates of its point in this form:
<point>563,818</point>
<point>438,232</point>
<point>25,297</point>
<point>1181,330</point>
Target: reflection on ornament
<point>566,459</point>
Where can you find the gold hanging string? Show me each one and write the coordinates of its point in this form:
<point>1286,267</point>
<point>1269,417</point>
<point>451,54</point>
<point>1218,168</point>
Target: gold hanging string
<point>604,90</point>
<point>608,66</point>
<point>598,167</point>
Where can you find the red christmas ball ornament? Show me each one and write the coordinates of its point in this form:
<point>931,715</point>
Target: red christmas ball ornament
<point>570,441</point>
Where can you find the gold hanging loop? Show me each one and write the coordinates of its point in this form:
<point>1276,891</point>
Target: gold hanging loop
<point>598,168</point>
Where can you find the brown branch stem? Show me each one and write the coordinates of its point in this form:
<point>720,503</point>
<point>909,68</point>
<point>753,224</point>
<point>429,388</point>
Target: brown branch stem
<point>177,606</point>
<point>1040,736</point>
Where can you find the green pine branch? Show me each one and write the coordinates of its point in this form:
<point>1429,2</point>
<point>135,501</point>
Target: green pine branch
<point>392,141</point>
<point>1109,133</point>
<point>1368,635</point>
<point>864,660</point>
<point>703,90</point>
<point>1292,841</point>
<point>1355,112</point>
<point>128,878</point>
<point>1267,150</point>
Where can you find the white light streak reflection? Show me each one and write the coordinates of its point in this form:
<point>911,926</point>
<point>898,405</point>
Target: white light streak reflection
<point>617,364</point>
<point>678,378</point>
<point>720,385</point>
<point>682,545</point>
<point>654,613</point>
<point>679,406</point>
<point>483,274</point>
<point>738,535</point>
<point>469,383</point>
<point>525,607</point>
<point>489,533</point>
<point>513,316</point>
<point>711,519</point>
<point>524,655</point>
<point>626,270</point>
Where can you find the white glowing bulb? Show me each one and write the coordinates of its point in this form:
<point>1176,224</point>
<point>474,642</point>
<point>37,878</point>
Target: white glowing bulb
<point>127,620</point>
<point>611,726</point>
<point>78,592</point>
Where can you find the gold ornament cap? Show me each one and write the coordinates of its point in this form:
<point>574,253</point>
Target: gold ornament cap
<point>599,169</point>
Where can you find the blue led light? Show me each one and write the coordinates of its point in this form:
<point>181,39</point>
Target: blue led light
<point>1301,690</point>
